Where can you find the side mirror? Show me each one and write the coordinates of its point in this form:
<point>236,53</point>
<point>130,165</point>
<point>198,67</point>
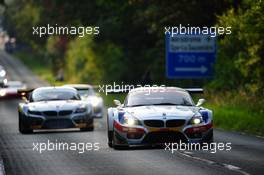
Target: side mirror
<point>117,103</point>
<point>200,102</point>
<point>25,99</point>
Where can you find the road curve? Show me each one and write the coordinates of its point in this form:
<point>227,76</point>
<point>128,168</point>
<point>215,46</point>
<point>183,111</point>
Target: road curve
<point>16,150</point>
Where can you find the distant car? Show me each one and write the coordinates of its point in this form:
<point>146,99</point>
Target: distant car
<point>3,78</point>
<point>154,116</point>
<point>10,90</point>
<point>54,108</point>
<point>88,95</point>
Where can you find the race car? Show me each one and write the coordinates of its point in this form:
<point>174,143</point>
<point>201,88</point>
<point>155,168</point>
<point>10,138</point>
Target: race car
<point>157,115</point>
<point>3,78</point>
<point>10,90</point>
<point>53,108</point>
<point>88,95</point>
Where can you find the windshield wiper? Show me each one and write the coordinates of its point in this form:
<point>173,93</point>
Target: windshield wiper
<point>139,105</point>
<point>172,104</point>
<point>164,104</point>
<point>52,99</point>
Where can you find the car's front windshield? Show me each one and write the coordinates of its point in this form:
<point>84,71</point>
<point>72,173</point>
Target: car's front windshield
<point>168,97</point>
<point>54,94</point>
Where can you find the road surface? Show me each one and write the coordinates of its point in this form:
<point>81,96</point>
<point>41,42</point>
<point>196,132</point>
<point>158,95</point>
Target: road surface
<point>19,158</point>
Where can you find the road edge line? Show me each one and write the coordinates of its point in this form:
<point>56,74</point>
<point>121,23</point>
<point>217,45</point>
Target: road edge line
<point>2,167</point>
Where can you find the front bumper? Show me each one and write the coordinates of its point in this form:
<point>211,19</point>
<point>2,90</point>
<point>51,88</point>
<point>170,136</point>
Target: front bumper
<point>58,122</point>
<point>130,136</point>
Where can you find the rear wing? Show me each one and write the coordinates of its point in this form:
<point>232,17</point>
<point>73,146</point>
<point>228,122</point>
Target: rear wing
<point>194,90</point>
<point>119,91</point>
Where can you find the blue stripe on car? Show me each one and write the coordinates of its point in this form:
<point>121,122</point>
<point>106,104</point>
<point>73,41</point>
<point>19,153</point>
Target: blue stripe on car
<point>204,114</point>
<point>121,116</point>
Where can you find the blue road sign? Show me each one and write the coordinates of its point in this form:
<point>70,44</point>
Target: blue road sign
<point>190,56</point>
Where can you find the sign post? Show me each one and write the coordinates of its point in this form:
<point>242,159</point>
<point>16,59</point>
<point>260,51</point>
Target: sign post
<point>190,56</point>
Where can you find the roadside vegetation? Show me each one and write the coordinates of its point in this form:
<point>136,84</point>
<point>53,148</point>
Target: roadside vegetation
<point>131,45</point>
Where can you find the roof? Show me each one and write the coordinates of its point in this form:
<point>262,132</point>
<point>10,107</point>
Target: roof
<point>56,88</point>
<point>153,88</point>
<point>79,86</point>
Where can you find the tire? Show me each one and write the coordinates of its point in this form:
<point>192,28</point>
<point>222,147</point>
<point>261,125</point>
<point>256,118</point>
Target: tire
<point>89,128</point>
<point>114,142</point>
<point>117,147</point>
<point>22,127</point>
<point>110,139</point>
<point>210,138</point>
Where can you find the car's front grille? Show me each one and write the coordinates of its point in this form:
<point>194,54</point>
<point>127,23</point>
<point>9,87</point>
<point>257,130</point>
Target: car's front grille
<point>65,112</point>
<point>50,113</point>
<point>163,137</point>
<point>175,123</point>
<point>58,123</point>
<point>154,123</point>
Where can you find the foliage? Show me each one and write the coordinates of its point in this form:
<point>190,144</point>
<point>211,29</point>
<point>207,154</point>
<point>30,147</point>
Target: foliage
<point>131,45</point>
<point>131,33</point>
<point>241,56</point>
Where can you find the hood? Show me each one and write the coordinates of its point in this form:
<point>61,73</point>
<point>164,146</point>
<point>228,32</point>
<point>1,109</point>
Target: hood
<point>54,105</point>
<point>159,112</point>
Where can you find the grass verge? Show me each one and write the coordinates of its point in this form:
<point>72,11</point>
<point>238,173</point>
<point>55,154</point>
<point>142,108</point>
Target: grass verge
<point>37,65</point>
<point>236,118</point>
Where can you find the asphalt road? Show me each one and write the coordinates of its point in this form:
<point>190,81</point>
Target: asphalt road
<point>16,150</point>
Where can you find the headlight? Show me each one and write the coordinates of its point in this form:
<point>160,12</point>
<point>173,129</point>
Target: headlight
<point>81,110</point>
<point>34,112</point>
<point>2,92</point>
<point>95,101</point>
<point>5,81</point>
<point>130,121</point>
<point>2,73</point>
<point>196,120</point>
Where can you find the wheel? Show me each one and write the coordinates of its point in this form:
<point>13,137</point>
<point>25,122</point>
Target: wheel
<point>114,142</point>
<point>89,126</point>
<point>22,127</point>
<point>115,146</point>
<point>110,139</point>
<point>210,137</point>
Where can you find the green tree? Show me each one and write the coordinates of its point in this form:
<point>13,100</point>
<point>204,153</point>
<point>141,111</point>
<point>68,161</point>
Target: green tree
<point>240,61</point>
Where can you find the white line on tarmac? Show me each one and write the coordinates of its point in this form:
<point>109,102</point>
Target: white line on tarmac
<point>2,168</point>
<point>228,166</point>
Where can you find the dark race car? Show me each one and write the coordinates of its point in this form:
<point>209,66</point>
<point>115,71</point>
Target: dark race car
<point>54,108</point>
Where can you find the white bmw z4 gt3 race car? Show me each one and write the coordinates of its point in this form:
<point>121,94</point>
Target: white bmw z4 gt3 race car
<point>54,108</point>
<point>154,116</point>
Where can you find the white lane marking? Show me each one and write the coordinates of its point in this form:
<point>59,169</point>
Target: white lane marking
<point>210,162</point>
<point>2,168</point>
<point>260,137</point>
<point>187,152</point>
<point>235,168</point>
